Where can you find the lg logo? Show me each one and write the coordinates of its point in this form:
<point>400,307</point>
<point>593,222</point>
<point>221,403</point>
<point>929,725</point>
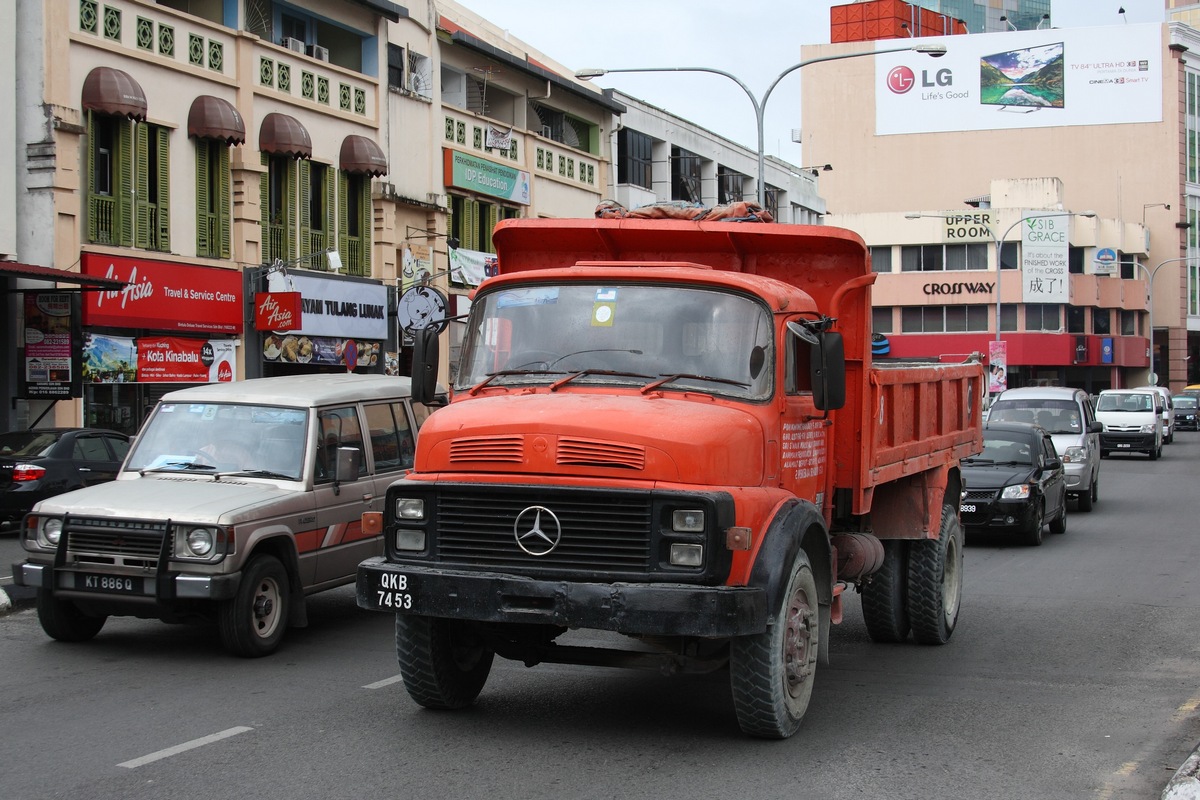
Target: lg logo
<point>901,79</point>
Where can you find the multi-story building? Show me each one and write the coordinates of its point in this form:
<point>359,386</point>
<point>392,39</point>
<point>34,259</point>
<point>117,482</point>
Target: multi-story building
<point>954,136</point>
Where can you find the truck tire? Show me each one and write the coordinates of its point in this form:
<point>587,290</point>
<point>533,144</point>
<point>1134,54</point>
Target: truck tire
<point>771,673</point>
<point>935,581</point>
<point>62,620</point>
<point>883,597</point>
<point>253,621</point>
<point>444,664</point>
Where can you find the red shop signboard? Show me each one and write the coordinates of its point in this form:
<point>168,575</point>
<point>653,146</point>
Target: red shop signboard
<point>163,296</point>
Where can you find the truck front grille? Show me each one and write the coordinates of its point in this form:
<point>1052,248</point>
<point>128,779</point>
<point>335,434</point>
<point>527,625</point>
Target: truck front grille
<point>132,543</point>
<point>599,532</point>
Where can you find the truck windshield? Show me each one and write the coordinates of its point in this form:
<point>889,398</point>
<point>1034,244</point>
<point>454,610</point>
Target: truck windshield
<point>263,441</point>
<point>676,338</point>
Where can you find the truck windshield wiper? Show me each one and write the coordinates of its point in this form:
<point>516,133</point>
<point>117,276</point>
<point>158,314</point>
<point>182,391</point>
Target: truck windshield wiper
<point>664,379</point>
<point>493,375</point>
<point>582,372</point>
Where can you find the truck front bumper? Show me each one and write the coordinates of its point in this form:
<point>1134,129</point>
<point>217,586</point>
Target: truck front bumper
<point>662,609</point>
<point>135,589</point>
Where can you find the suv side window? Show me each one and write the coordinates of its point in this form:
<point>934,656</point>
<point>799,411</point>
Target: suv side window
<point>338,427</point>
<point>391,436</point>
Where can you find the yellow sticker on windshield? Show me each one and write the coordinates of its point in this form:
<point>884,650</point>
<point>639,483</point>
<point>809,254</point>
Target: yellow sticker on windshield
<point>605,308</point>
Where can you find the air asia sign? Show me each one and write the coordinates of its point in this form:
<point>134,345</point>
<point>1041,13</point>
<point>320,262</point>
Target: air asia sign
<point>162,296</point>
<point>1104,75</point>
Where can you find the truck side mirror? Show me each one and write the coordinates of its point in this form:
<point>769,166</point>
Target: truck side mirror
<point>828,371</point>
<point>424,364</point>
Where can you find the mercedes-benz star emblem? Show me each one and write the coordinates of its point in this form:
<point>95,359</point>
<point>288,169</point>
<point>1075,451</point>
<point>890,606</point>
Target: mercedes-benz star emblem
<point>537,530</point>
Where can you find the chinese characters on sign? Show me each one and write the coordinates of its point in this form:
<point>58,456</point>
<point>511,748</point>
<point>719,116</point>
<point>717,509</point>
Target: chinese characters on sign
<point>1044,268</point>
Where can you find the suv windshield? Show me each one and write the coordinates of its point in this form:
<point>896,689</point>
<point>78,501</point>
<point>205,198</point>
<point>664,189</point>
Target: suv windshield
<point>634,335</point>
<point>264,441</point>
<point>1056,416</point>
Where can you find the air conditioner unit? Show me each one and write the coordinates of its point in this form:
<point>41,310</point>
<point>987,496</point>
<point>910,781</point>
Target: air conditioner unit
<point>295,45</point>
<point>318,52</point>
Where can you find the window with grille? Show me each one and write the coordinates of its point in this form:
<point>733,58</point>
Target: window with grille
<point>685,176</point>
<point>729,185</point>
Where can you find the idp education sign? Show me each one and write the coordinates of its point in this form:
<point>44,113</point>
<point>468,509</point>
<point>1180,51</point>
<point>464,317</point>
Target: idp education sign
<point>486,177</point>
<point>1104,75</point>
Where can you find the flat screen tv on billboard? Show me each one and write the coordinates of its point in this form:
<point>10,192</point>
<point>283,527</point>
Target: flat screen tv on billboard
<point>1023,80</point>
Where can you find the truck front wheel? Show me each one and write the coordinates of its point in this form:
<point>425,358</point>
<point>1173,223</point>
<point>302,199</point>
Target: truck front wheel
<point>252,623</point>
<point>443,662</point>
<point>771,673</point>
<point>883,596</point>
<point>62,619</point>
<point>935,581</point>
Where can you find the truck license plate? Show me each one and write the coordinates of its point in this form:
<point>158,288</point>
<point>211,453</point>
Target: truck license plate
<point>120,584</point>
<point>393,592</point>
<point>967,508</point>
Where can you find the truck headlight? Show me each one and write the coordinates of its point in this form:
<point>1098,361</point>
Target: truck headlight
<point>1018,492</point>
<point>690,520</point>
<point>687,555</point>
<point>48,532</point>
<point>410,508</point>
<point>199,543</point>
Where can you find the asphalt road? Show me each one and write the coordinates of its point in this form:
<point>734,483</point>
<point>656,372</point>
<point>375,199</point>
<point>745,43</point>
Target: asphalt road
<point>1073,674</point>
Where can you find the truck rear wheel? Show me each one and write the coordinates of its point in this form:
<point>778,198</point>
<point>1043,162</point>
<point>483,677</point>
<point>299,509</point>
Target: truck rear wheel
<point>253,622</point>
<point>771,673</point>
<point>883,596</point>
<point>443,662</point>
<point>935,581</point>
<point>62,619</point>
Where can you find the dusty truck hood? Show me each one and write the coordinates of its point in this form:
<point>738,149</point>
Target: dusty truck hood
<point>645,438</point>
<point>177,497</point>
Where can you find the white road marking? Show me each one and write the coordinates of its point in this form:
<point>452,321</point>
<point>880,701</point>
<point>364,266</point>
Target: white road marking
<point>181,748</point>
<point>384,682</point>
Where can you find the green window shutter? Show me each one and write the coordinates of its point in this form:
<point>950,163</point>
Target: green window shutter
<point>290,202</point>
<point>368,223</point>
<point>493,212</point>
<point>141,186</point>
<point>93,211</point>
<point>203,245</point>
<point>124,180</point>
<point>343,217</point>
<point>305,207</point>
<point>224,202</point>
<point>470,225</point>
<point>163,144</point>
<point>264,199</point>
<point>331,206</point>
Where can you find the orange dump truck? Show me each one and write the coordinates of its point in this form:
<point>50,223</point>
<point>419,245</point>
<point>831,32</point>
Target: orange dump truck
<point>674,431</point>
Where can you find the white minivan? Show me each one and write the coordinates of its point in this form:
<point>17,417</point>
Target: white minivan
<point>1068,416</point>
<point>1168,412</point>
<point>1132,422</point>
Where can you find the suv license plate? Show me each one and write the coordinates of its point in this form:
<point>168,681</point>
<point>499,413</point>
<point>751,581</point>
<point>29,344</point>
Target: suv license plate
<point>1124,444</point>
<point>120,584</point>
<point>967,508</point>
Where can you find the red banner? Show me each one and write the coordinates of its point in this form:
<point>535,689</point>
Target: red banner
<point>277,311</point>
<point>163,296</point>
<point>174,359</point>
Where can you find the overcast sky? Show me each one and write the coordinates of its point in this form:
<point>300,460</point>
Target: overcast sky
<point>755,40</point>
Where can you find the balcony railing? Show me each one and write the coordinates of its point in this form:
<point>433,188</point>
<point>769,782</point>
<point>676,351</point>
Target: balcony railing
<point>276,243</point>
<point>103,209</point>
<point>352,258</point>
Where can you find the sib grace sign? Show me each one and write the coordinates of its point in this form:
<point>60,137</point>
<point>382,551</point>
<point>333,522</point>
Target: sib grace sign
<point>277,311</point>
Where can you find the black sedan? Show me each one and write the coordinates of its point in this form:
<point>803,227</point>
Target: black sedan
<point>40,463</point>
<point>1017,484</point>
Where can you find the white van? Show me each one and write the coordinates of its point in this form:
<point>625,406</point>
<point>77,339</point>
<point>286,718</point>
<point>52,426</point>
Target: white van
<point>236,501</point>
<point>1068,416</point>
<point>1168,413</point>
<point>1132,422</point>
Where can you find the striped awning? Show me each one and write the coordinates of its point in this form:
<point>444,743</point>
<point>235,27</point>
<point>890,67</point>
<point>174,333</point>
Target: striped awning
<point>360,154</point>
<point>111,91</point>
<point>282,135</point>
<point>213,118</point>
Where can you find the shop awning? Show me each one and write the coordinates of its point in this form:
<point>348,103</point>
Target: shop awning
<point>214,118</point>
<point>360,154</point>
<point>14,269</point>
<point>111,91</point>
<point>284,136</point>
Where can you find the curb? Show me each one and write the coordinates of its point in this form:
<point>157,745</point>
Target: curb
<point>14,598</point>
<point>1185,785</point>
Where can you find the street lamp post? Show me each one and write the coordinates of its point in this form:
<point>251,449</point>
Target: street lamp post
<point>934,50</point>
<point>1150,273</point>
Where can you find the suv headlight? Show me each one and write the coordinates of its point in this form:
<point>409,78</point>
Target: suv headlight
<point>1018,492</point>
<point>200,542</point>
<point>49,531</point>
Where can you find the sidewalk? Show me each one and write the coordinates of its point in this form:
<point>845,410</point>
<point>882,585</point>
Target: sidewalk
<point>14,598</point>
